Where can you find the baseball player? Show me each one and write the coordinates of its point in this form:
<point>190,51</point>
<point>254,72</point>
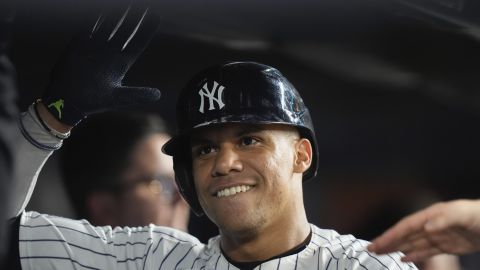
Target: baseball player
<point>245,145</point>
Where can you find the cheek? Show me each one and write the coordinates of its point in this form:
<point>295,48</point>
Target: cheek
<point>200,174</point>
<point>198,168</point>
<point>201,170</point>
<point>197,175</point>
<point>272,168</point>
<point>280,164</point>
<point>278,171</point>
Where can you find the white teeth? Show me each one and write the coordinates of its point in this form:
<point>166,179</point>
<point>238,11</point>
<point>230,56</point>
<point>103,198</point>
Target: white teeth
<point>233,190</point>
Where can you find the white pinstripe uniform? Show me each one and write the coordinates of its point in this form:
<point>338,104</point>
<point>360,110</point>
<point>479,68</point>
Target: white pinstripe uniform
<point>48,242</point>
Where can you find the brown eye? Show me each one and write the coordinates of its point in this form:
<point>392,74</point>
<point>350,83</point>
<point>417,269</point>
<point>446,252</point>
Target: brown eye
<point>248,141</point>
<point>205,150</point>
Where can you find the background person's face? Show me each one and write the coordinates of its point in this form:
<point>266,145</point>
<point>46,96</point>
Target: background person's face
<point>255,164</point>
<point>152,195</point>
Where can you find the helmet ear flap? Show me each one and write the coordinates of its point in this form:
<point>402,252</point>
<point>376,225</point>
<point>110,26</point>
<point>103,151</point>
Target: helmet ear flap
<point>182,165</point>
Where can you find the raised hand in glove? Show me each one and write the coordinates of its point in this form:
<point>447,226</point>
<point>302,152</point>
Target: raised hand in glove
<point>88,77</point>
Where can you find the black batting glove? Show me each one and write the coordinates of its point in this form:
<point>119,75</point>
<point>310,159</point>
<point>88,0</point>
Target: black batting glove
<point>88,77</point>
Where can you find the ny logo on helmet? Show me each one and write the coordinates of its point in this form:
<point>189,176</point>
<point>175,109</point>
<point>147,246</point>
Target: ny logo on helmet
<point>204,92</point>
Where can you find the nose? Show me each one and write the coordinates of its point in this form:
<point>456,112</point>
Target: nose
<point>227,160</point>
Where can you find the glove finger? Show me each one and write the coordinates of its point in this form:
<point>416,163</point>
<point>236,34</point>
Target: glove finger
<point>128,26</point>
<point>143,32</point>
<point>130,96</point>
<point>108,23</point>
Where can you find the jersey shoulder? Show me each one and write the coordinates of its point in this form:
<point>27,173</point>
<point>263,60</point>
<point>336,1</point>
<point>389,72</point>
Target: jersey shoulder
<point>47,242</point>
<point>352,252</point>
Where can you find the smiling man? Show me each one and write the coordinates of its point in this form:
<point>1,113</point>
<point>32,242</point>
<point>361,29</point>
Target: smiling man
<point>242,160</point>
<point>248,186</point>
<point>245,145</point>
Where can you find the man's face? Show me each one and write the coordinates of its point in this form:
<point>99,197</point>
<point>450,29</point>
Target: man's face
<point>151,195</point>
<point>245,175</point>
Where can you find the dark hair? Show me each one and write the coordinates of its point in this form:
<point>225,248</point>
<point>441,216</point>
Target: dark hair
<point>99,149</point>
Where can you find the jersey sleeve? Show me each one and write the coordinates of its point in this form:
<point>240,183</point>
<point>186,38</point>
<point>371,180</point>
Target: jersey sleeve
<point>34,147</point>
<point>353,254</point>
<point>49,242</point>
<point>337,252</point>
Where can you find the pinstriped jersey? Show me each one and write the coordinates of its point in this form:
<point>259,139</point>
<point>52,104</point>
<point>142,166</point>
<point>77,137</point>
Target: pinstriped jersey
<point>49,242</point>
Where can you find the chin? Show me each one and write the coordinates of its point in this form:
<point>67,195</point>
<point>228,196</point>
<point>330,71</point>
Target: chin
<point>238,228</point>
<point>245,224</point>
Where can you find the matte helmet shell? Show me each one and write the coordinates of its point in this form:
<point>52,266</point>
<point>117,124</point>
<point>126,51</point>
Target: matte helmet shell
<point>237,92</point>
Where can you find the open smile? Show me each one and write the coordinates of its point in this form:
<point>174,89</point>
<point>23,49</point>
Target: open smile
<point>230,191</point>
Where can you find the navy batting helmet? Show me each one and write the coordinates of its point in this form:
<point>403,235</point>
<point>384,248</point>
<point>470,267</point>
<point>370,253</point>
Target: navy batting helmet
<point>238,92</point>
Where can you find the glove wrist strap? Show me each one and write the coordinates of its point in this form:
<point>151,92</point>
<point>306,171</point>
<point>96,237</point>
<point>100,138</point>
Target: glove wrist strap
<point>53,132</point>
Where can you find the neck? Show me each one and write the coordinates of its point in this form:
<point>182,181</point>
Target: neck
<point>267,242</point>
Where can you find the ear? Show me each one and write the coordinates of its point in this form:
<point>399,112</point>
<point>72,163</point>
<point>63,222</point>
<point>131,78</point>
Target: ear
<point>303,155</point>
<point>101,208</point>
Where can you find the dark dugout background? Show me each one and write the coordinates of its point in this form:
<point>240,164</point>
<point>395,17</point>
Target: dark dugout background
<point>393,89</point>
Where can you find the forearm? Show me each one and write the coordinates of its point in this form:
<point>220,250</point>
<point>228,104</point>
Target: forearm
<point>35,144</point>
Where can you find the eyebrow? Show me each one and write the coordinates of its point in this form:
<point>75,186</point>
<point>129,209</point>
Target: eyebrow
<point>197,141</point>
<point>247,129</point>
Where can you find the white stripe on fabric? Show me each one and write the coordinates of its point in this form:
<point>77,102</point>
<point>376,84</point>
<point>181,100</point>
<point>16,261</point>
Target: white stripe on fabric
<point>48,241</point>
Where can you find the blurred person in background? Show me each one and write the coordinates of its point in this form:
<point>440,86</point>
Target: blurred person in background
<point>116,174</point>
